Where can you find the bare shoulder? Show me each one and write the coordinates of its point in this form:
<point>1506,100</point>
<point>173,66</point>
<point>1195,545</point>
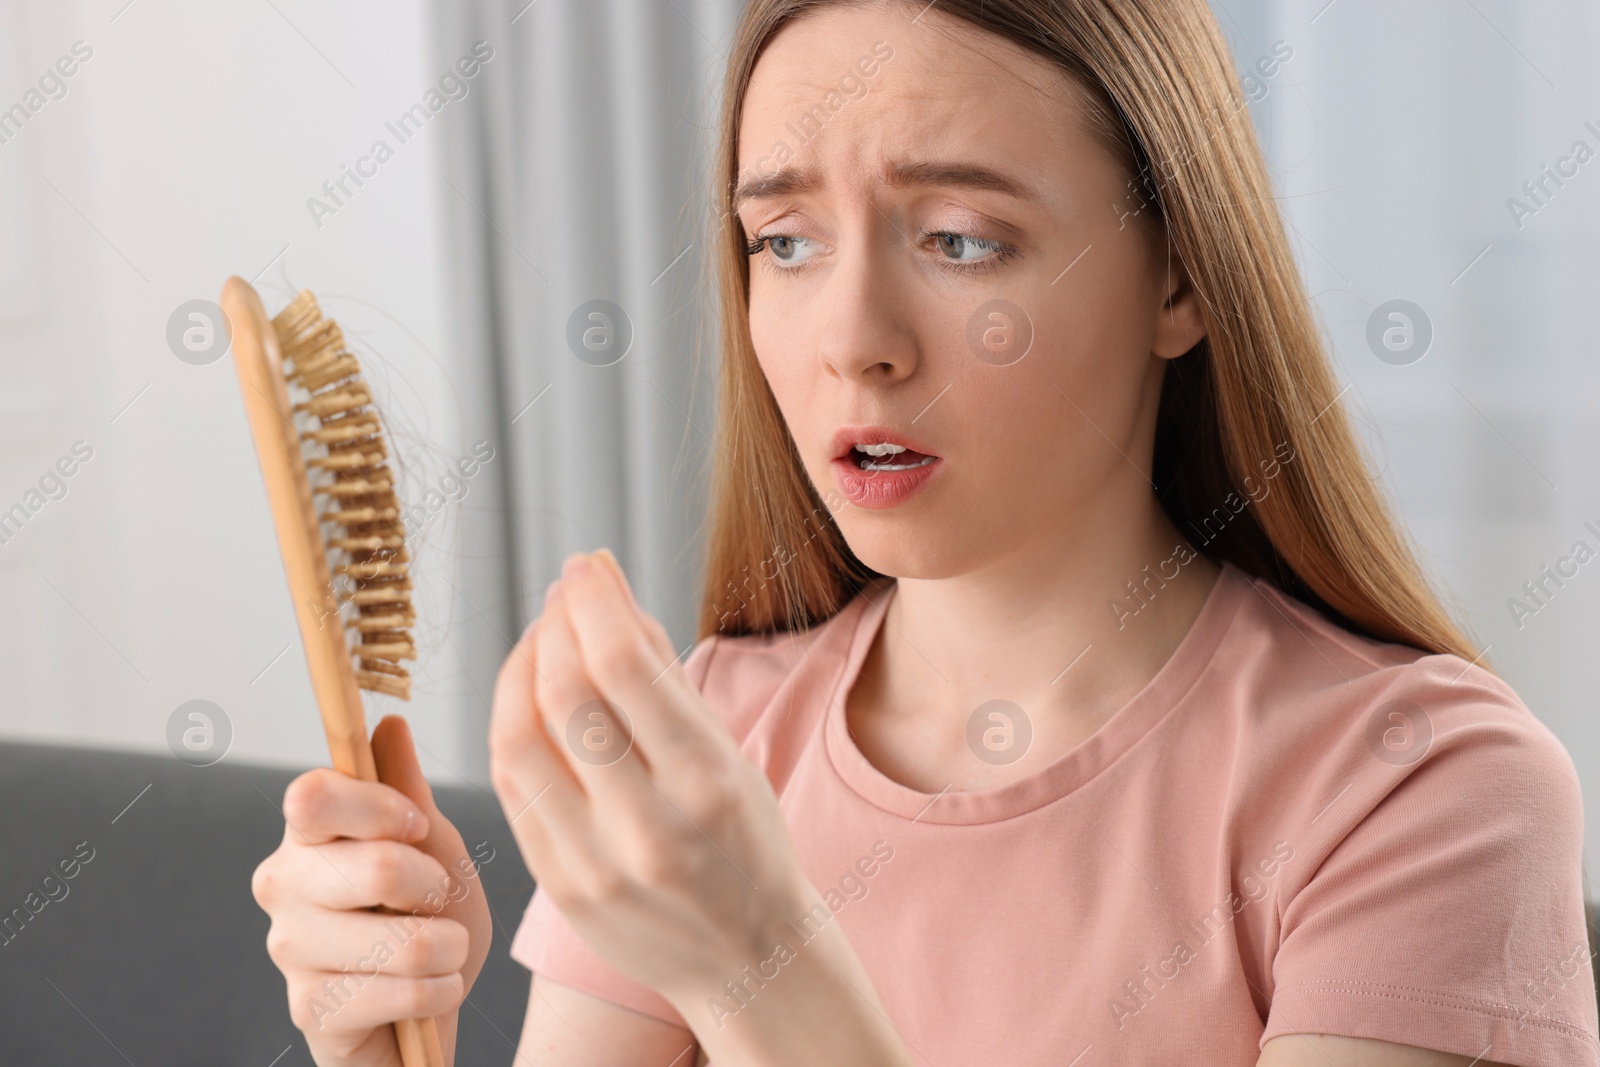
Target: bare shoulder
<point>566,1027</point>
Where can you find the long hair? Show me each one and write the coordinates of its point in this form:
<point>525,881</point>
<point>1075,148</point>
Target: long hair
<point>1158,83</point>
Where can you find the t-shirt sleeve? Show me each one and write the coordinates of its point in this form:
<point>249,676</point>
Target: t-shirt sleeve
<point>1450,915</point>
<point>547,944</point>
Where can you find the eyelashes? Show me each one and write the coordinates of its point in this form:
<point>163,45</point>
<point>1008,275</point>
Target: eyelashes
<point>762,240</point>
<point>1000,251</point>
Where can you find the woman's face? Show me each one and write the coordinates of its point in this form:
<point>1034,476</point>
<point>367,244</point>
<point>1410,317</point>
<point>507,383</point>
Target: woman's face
<point>958,263</point>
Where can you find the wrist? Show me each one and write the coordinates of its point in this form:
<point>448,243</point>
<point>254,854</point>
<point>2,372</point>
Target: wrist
<point>804,998</point>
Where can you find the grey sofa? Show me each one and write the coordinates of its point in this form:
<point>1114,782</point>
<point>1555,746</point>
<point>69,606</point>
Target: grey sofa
<point>153,951</point>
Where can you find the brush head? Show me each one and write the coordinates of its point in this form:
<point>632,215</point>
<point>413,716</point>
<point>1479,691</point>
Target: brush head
<point>354,492</point>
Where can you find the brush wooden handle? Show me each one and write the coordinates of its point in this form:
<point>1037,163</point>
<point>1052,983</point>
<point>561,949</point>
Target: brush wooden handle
<point>267,405</point>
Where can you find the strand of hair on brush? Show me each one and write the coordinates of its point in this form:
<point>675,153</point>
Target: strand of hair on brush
<point>357,504</point>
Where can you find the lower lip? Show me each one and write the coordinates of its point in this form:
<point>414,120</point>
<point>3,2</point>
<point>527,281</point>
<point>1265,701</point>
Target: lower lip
<point>881,489</point>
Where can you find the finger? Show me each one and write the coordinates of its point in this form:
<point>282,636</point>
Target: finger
<point>315,939</point>
<point>395,753</point>
<point>542,800</point>
<point>323,1002</point>
<point>597,735</point>
<point>620,663</point>
<point>345,875</point>
<point>324,805</point>
<point>654,631</point>
<point>655,634</point>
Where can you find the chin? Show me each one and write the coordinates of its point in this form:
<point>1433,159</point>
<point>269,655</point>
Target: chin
<point>899,553</point>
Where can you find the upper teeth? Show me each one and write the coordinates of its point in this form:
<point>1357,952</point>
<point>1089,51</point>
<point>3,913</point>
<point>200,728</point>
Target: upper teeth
<point>884,449</point>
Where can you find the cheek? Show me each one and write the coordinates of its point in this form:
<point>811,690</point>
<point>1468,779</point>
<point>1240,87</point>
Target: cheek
<point>1047,423</point>
<point>784,356</point>
<point>1020,432</point>
<point>1093,356</point>
<point>777,353</point>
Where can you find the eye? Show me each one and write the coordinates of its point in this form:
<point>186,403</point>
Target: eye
<point>963,252</point>
<point>785,248</point>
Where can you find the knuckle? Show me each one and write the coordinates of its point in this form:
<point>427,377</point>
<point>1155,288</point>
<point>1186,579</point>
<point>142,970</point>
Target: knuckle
<point>658,867</point>
<point>501,774</point>
<point>439,947</point>
<point>415,997</point>
<point>264,884</point>
<point>306,795</point>
<point>614,656</point>
<point>301,1013</point>
<point>709,794</point>
<point>603,883</point>
<point>501,728</point>
<point>411,956</point>
<point>280,944</point>
<point>502,714</point>
<point>385,871</point>
<point>456,945</point>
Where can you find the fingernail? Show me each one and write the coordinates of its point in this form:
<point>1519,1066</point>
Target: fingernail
<point>604,556</point>
<point>416,825</point>
<point>576,564</point>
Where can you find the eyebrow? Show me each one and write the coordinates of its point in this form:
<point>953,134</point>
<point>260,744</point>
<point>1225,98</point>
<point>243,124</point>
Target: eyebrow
<point>790,181</point>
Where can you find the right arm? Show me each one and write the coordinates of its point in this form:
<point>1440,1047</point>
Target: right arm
<point>566,1027</point>
<point>348,846</point>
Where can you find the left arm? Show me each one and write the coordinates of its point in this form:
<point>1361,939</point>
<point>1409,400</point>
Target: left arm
<point>1322,1050</point>
<point>662,845</point>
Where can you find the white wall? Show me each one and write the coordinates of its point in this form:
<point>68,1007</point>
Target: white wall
<point>184,151</point>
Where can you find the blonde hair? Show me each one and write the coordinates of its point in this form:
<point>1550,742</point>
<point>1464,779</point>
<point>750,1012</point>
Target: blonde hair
<point>1161,95</point>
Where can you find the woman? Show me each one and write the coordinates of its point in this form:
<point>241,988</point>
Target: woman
<point>1065,692</point>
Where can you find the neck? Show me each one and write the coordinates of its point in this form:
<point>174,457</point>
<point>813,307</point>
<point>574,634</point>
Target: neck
<point>1070,628</point>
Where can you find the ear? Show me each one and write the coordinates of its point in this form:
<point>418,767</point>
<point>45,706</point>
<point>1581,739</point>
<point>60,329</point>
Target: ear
<point>1179,324</point>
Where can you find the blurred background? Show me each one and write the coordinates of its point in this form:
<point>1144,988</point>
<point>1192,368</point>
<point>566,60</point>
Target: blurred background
<point>1412,142</point>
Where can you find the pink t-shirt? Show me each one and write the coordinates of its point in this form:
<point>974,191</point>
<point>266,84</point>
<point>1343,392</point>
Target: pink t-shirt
<point>1290,829</point>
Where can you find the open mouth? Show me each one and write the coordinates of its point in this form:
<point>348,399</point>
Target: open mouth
<point>874,471</point>
<point>887,457</point>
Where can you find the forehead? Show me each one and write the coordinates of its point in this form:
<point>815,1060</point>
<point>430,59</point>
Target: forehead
<point>862,88</point>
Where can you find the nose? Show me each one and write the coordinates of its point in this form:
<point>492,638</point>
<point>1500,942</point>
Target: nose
<point>867,334</point>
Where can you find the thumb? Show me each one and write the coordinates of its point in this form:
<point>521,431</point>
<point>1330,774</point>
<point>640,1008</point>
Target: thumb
<point>395,754</point>
<point>396,757</point>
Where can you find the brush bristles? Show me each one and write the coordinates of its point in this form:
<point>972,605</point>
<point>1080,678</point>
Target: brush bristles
<point>359,512</point>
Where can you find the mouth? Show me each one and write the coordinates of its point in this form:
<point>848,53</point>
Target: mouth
<point>880,448</point>
<point>880,468</point>
<point>887,457</point>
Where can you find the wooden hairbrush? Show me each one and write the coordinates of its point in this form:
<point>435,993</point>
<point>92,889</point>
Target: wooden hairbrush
<point>333,501</point>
